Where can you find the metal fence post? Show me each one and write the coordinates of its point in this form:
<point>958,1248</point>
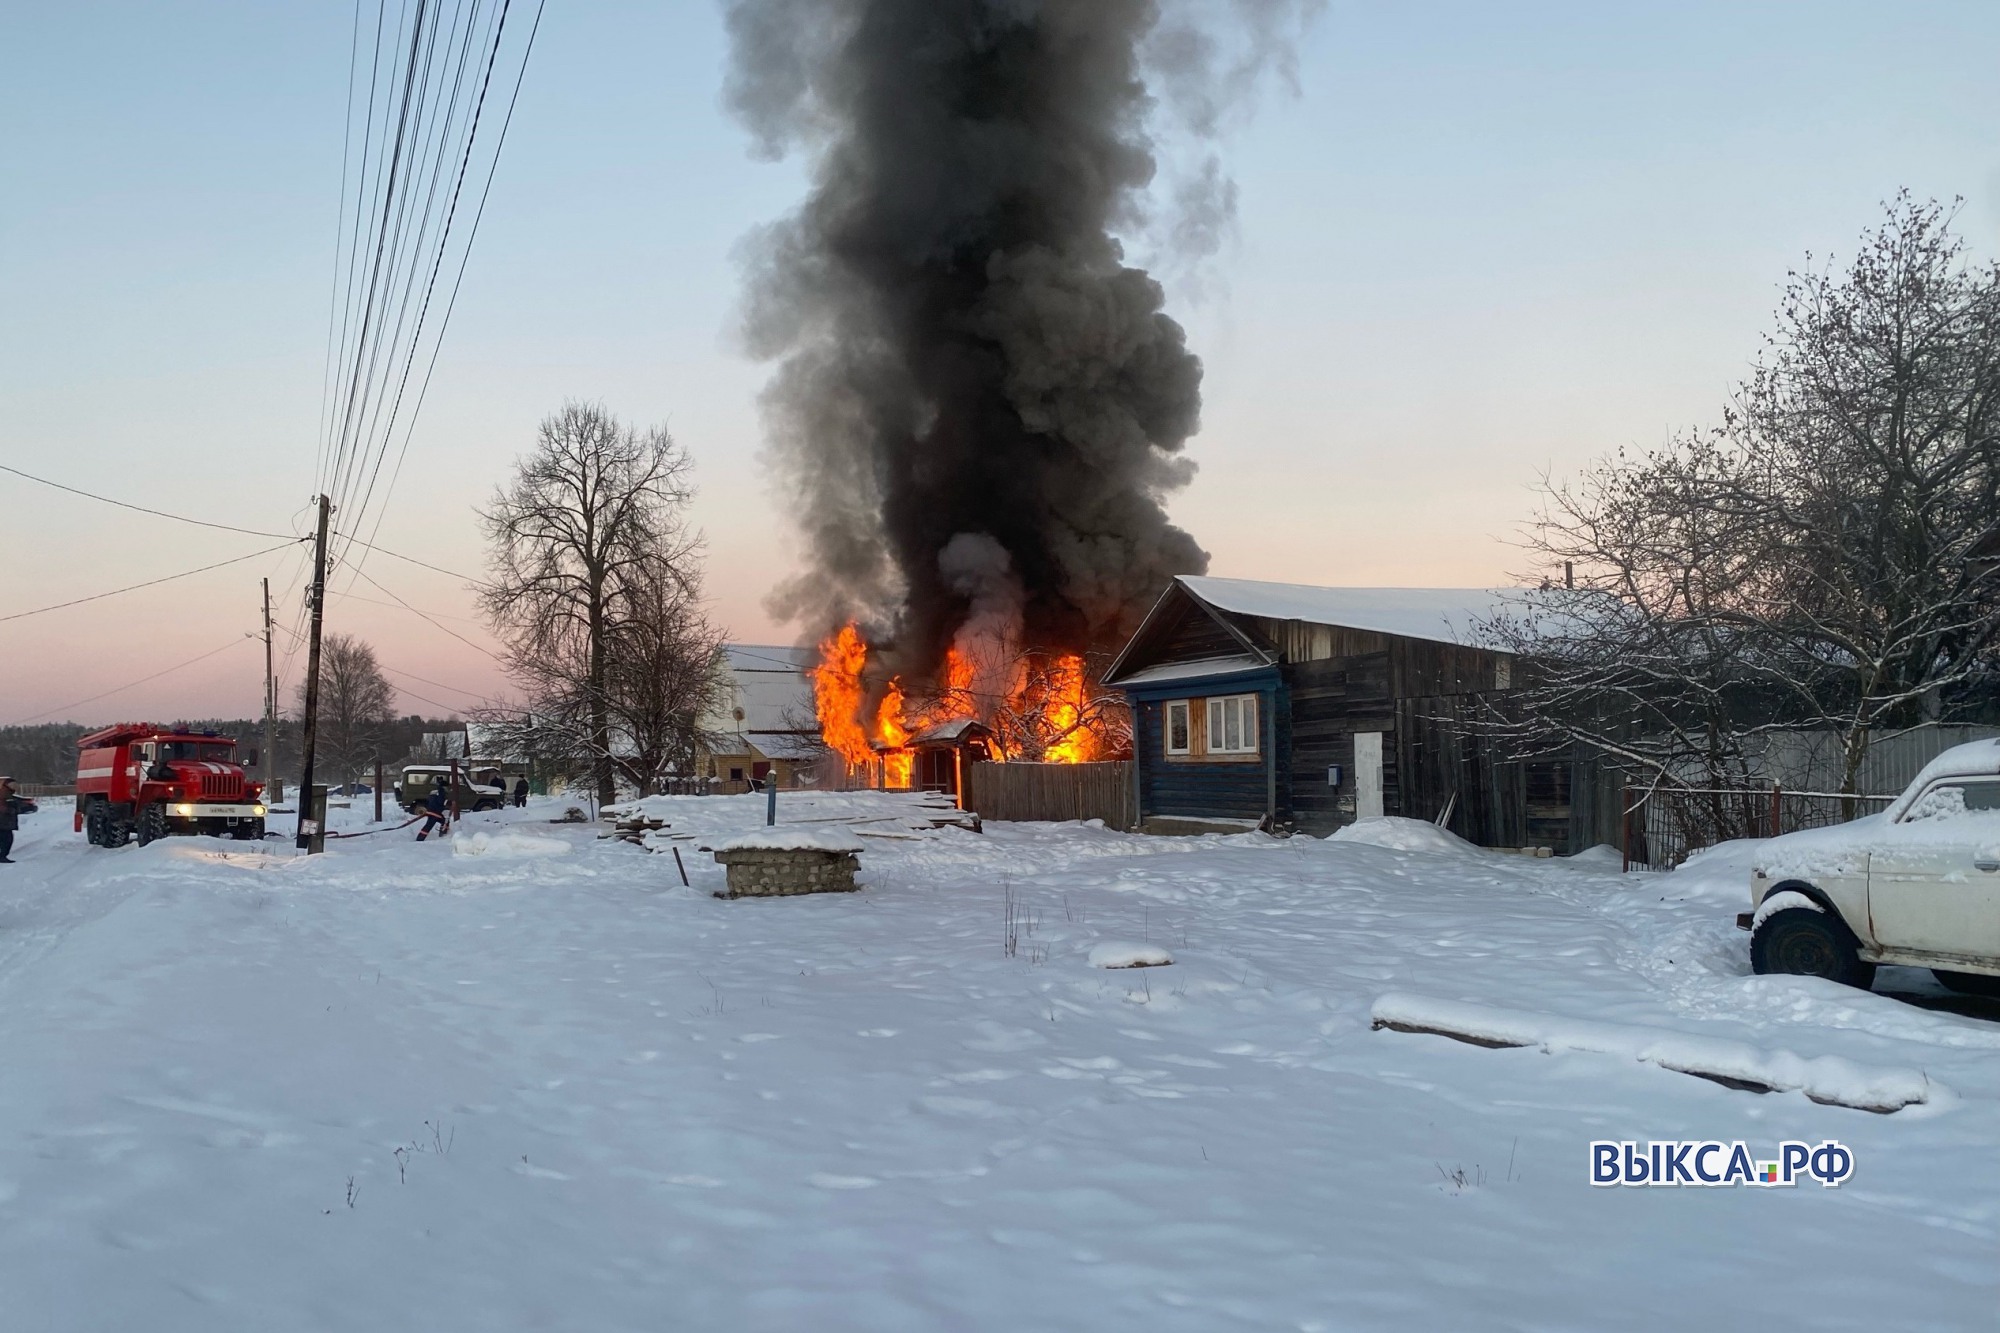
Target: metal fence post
<point>1625,828</point>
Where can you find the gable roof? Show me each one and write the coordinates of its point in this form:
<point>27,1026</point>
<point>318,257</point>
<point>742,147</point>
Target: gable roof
<point>1442,615</point>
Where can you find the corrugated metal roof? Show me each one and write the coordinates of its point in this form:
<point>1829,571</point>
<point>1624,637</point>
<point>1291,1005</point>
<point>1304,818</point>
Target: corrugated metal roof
<point>1442,615</point>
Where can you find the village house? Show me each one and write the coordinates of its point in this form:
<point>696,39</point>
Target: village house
<point>761,721</point>
<point>1287,707</point>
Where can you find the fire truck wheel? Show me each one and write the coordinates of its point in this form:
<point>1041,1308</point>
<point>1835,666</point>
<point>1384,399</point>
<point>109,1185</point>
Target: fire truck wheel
<point>96,820</point>
<point>152,823</point>
<point>247,830</point>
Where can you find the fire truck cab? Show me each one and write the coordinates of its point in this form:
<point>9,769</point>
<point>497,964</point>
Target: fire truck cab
<point>139,779</point>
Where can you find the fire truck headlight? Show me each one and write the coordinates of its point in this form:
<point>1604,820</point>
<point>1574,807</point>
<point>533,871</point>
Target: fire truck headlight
<point>184,810</point>
<point>257,810</point>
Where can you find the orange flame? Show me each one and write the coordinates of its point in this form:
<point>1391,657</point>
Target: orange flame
<point>897,762</point>
<point>837,694</point>
<point>1048,709</point>
<point>1063,713</point>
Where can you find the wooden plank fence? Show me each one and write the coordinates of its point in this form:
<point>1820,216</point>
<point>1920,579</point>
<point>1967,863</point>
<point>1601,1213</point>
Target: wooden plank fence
<point>1019,791</point>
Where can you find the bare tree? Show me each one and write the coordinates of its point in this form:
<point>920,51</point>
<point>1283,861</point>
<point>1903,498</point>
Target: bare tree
<point>665,671</point>
<point>1869,445</point>
<point>594,515</point>
<point>1816,563</point>
<point>356,705</point>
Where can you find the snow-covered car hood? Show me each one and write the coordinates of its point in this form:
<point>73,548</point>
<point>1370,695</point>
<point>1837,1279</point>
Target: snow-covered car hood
<point>1841,849</point>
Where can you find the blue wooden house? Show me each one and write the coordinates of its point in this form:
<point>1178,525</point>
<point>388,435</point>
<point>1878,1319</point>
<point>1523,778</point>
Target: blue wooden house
<point>1287,707</point>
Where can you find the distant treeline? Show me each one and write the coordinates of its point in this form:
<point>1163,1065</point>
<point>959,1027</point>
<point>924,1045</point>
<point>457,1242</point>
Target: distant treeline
<point>46,753</point>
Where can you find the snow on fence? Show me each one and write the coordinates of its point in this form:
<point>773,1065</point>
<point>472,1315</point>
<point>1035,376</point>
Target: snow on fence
<point>1023,791</point>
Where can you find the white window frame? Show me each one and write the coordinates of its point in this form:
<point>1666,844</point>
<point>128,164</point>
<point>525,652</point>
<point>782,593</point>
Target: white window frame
<point>1222,710</point>
<point>1186,707</point>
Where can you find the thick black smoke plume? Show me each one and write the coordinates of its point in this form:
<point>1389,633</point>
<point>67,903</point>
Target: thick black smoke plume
<point>980,404</point>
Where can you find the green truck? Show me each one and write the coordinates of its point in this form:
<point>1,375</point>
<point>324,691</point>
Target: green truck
<point>482,784</point>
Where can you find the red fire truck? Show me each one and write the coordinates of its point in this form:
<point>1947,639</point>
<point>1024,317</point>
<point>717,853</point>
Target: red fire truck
<point>140,779</point>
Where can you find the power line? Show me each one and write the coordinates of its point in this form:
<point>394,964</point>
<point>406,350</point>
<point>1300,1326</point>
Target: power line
<point>395,606</point>
<point>132,684</point>
<point>339,225</point>
<point>150,583</point>
<point>454,633</point>
<point>157,513</point>
<point>378,446</point>
<point>465,162</point>
<point>408,559</point>
<point>485,699</point>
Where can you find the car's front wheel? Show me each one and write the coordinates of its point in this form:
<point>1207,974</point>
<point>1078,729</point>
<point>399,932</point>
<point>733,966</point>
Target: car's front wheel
<point>1799,941</point>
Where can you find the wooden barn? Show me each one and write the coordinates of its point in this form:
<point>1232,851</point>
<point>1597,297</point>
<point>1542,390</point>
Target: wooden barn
<point>1288,707</point>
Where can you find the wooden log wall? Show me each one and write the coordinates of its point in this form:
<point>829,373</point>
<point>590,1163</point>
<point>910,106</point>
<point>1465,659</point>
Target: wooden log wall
<point>1022,791</point>
<point>1205,790</point>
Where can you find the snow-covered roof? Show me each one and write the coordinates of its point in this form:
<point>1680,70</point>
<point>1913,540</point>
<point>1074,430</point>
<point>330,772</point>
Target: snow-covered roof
<point>1444,615</point>
<point>786,744</point>
<point>946,731</point>
<point>1168,672</point>
<point>765,689</point>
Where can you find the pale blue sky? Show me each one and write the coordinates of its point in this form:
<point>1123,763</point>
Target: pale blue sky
<point>1483,239</point>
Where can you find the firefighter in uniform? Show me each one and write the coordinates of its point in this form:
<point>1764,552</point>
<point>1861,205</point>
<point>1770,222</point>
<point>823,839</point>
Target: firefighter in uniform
<point>434,810</point>
<point>12,807</point>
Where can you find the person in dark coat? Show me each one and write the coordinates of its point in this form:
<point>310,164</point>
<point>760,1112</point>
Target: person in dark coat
<point>12,807</point>
<point>434,810</point>
<point>520,793</point>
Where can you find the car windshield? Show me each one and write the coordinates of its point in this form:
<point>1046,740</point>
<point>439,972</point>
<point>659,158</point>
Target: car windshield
<point>208,751</point>
<point>1951,799</point>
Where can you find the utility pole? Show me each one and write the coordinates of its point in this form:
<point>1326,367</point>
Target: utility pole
<point>270,706</point>
<point>309,814</point>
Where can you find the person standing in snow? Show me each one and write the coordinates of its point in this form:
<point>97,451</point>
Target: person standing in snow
<point>520,793</point>
<point>12,807</point>
<point>434,806</point>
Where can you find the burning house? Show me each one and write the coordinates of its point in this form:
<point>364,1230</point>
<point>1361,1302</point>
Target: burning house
<point>1005,705</point>
<point>979,406</point>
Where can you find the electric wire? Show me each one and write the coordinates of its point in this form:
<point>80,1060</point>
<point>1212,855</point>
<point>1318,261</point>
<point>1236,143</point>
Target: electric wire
<point>442,628</point>
<point>451,305</point>
<point>149,583</point>
<point>406,98</point>
<point>409,559</point>
<point>458,186</point>
<point>413,240</point>
<point>157,513</point>
<point>395,606</point>
<point>484,700</point>
<point>438,155</point>
<point>339,225</point>
<point>132,684</point>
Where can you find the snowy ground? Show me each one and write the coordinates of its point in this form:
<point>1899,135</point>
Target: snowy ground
<point>529,1081</point>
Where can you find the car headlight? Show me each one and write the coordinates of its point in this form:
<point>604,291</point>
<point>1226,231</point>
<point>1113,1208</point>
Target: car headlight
<point>257,810</point>
<point>184,810</point>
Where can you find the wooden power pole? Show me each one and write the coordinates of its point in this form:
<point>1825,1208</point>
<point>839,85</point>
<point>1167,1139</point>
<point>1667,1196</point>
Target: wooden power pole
<point>270,706</point>
<point>309,725</point>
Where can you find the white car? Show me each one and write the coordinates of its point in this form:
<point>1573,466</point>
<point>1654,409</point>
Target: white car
<point>1916,885</point>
